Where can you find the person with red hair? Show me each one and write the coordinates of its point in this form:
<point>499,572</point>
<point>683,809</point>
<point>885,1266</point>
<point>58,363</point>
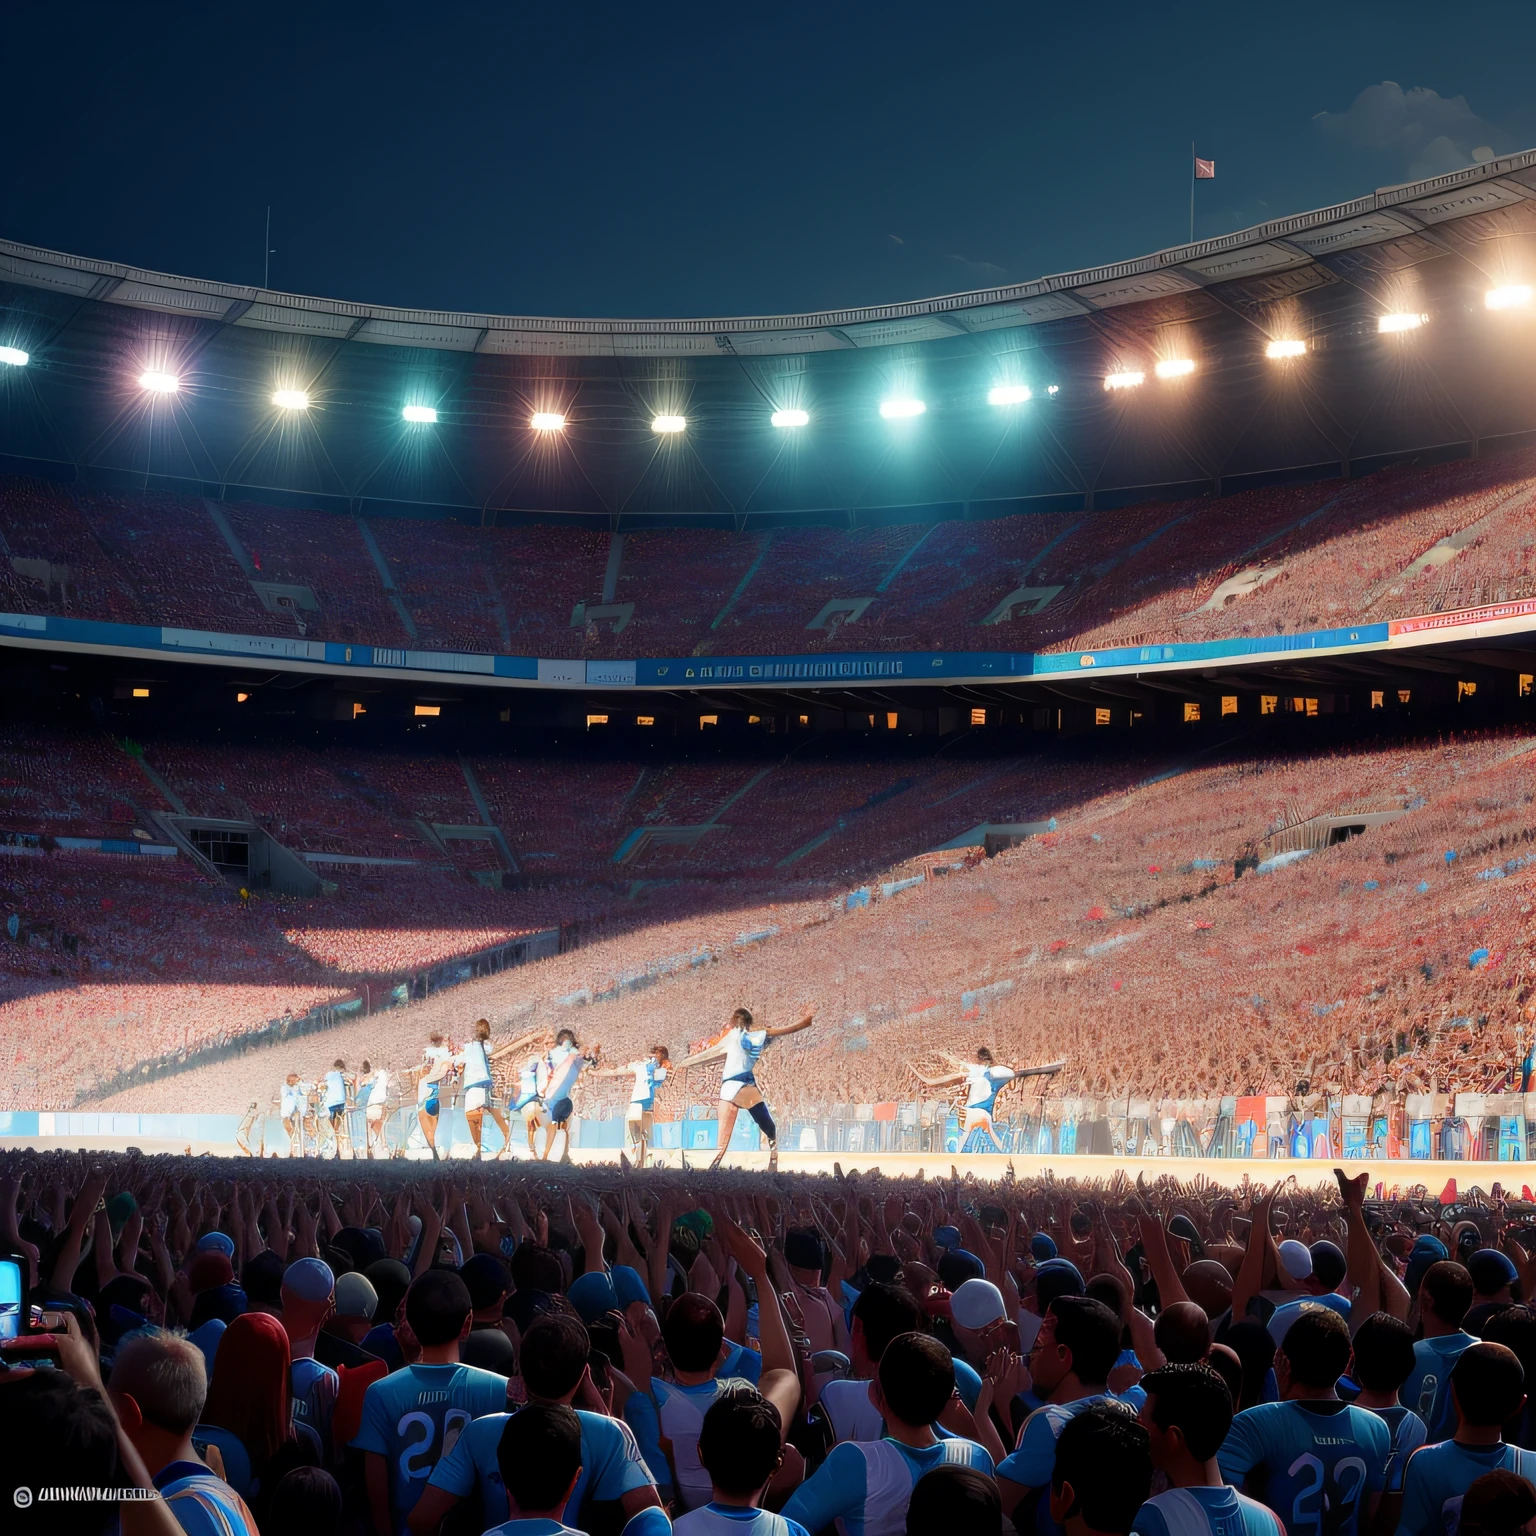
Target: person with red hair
<point>248,1414</point>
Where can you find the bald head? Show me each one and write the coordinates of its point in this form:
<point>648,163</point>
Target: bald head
<point>164,1373</point>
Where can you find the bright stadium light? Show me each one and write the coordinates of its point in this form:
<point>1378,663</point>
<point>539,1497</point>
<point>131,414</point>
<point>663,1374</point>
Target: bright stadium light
<point>898,410</point>
<point>790,418</point>
<point>547,421</point>
<point>291,400</point>
<point>1009,394</point>
<point>1128,380</point>
<point>1386,324</point>
<point>158,383</point>
<point>420,413</point>
<point>1512,296</point>
<point>1053,389</point>
<point>1174,367</point>
<point>1288,348</point>
<point>14,356</point>
<point>669,424</point>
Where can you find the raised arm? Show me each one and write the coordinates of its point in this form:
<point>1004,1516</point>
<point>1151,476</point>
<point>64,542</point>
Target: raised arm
<point>779,1030</point>
<point>780,1382</point>
<point>709,1053</point>
<point>518,1044</point>
<point>947,1080</point>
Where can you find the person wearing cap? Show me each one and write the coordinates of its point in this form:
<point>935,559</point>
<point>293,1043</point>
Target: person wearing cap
<point>979,1317</point>
<point>1488,1390</point>
<point>805,1253</point>
<point>340,1340</point>
<point>1073,1354</point>
<point>490,1283</point>
<point>1321,1270</point>
<point>1445,1297</point>
<point>1495,1285</point>
<point>309,1298</point>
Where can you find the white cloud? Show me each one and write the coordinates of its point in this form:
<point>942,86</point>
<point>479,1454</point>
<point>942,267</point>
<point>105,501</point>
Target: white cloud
<point>985,269</point>
<point>1423,131</point>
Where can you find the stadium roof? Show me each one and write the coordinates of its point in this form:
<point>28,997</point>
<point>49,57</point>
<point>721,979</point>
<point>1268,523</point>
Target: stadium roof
<point>1285,256</point>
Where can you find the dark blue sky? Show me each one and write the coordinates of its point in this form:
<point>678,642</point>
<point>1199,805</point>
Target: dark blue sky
<point>712,159</point>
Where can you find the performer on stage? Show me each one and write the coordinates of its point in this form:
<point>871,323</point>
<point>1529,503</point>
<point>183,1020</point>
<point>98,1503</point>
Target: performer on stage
<point>650,1073</point>
<point>436,1064</point>
<point>564,1065</point>
<point>983,1079</point>
<point>741,1047</point>
<point>338,1086</point>
<point>372,1095</point>
<point>479,1090</point>
<point>297,1115</point>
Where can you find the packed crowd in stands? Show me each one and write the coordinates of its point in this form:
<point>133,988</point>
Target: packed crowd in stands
<point>1262,562</point>
<point>1397,962</point>
<point>202,1350</point>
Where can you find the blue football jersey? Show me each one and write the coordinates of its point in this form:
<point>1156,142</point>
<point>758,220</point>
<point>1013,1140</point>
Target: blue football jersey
<point>1438,1478</point>
<point>1219,1511</point>
<point>413,1418</point>
<point>1315,1464</point>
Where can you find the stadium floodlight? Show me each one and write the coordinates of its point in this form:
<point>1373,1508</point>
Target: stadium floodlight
<point>1130,379</point>
<point>1287,348</point>
<point>669,424</point>
<point>547,421</point>
<point>900,410</point>
<point>1053,389</point>
<point>1009,394</point>
<point>158,383</point>
<point>1174,367</point>
<point>791,418</point>
<point>291,400</point>
<point>14,356</point>
<point>1386,324</point>
<point>420,413</point>
<point>1511,296</point>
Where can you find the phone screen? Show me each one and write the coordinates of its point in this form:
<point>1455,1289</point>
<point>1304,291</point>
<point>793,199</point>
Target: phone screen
<point>10,1299</point>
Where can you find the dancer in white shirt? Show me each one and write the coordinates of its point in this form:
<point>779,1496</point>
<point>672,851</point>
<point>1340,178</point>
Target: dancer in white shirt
<point>740,1049</point>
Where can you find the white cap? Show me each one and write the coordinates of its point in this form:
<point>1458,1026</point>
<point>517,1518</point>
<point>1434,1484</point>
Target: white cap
<point>1295,1259</point>
<point>977,1304</point>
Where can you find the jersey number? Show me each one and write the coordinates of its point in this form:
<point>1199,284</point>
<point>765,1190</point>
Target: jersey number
<point>1329,1513</point>
<point>417,1457</point>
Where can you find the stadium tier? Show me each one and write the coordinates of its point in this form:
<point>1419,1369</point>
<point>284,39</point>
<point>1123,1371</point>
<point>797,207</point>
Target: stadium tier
<point>1317,557</point>
<point>1192,907</point>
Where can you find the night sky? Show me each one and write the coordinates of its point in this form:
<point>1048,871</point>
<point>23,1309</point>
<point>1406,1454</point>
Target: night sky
<point>720,159</point>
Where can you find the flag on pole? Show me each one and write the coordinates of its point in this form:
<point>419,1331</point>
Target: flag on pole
<point>1205,170</point>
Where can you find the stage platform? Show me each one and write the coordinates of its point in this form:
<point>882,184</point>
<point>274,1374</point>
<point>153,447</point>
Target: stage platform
<point>985,1168</point>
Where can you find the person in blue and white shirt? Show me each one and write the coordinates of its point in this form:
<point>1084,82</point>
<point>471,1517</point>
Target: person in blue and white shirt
<point>475,1060</point>
<point>1073,1353</point>
<point>372,1099</point>
<point>338,1087</point>
<point>741,1447</point>
<point>436,1064</point>
<point>564,1066</point>
<point>650,1072</point>
<point>413,1417</point>
<point>297,1115</point>
<point>865,1486</point>
<point>738,1050</point>
<point>1187,1414</point>
<point>1318,1463</point>
<point>553,1366</point>
<point>983,1080</point>
<point>540,1460</point>
<point>1487,1390</point>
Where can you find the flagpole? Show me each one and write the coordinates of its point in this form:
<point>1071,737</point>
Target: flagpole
<point>1191,192</point>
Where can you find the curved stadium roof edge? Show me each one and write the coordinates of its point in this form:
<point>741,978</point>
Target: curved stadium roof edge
<point>1297,240</point>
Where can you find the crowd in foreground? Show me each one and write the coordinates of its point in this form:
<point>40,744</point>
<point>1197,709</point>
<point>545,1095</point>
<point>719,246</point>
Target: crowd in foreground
<point>189,1348</point>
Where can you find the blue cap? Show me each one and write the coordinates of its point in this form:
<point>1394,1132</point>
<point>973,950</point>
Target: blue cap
<point>310,1280</point>
<point>947,1237</point>
<point>593,1295</point>
<point>1427,1250</point>
<point>1042,1246</point>
<point>1057,1277</point>
<point>221,1242</point>
<point>628,1285</point>
<point>1491,1271</point>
